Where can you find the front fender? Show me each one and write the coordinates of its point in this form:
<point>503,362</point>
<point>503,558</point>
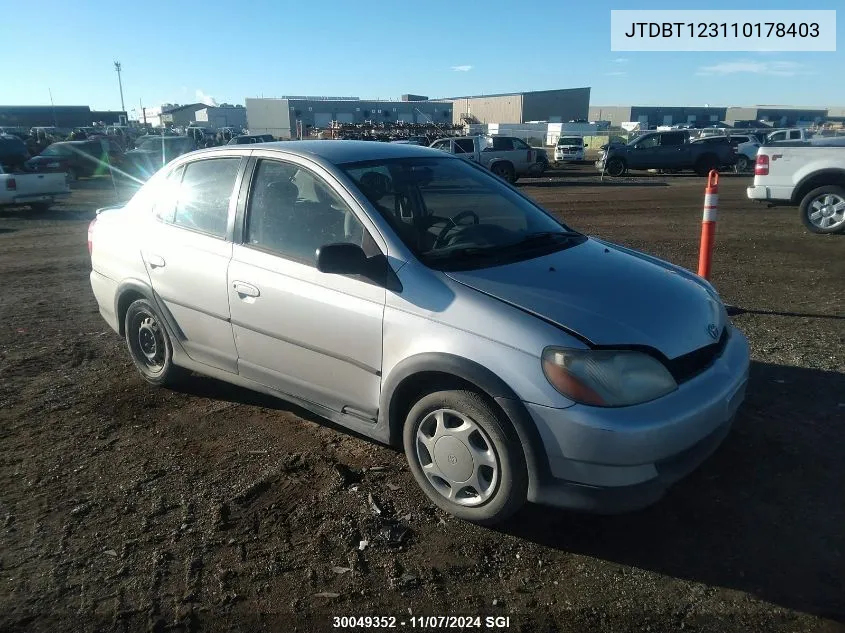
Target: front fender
<point>485,380</point>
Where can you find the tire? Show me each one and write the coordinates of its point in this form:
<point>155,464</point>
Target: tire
<point>823,210</point>
<point>41,207</point>
<point>504,171</point>
<point>474,432</point>
<point>149,345</point>
<point>616,167</point>
<point>705,164</point>
<point>742,163</point>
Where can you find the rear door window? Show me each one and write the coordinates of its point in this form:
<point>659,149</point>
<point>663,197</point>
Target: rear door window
<point>205,194</point>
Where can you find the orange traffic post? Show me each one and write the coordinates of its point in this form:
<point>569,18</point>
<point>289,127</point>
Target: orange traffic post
<point>708,224</point>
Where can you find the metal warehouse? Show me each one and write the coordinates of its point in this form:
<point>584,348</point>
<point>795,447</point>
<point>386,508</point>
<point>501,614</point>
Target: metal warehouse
<point>667,115</point>
<point>282,116</point>
<point>555,106</point>
<point>59,116</point>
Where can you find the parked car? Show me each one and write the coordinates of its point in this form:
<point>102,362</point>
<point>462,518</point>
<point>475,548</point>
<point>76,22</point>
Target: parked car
<point>569,149</point>
<point>152,152</point>
<point>79,159</point>
<point>38,191</point>
<point>508,157</point>
<point>798,136</point>
<point>809,177</point>
<point>746,146</point>
<point>415,298</point>
<point>247,139</point>
<point>13,152</point>
<point>667,151</point>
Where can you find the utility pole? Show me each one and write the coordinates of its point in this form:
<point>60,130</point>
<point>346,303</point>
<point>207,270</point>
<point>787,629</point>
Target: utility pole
<point>143,111</point>
<point>120,83</point>
<point>53,107</point>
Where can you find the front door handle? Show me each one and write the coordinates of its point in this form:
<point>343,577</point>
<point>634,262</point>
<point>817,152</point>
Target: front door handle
<point>245,290</point>
<point>156,261</point>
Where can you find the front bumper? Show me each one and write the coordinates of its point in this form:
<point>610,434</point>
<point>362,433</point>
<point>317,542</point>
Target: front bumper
<point>621,459</point>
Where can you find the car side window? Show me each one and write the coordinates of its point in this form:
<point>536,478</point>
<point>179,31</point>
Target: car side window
<point>204,195</point>
<point>441,145</point>
<point>167,194</point>
<point>464,146</point>
<point>502,144</point>
<point>671,139</point>
<point>520,144</point>
<point>292,212</point>
<point>648,142</point>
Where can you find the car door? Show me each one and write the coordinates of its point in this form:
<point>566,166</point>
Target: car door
<point>308,334</point>
<point>643,153</point>
<point>187,251</point>
<point>673,151</point>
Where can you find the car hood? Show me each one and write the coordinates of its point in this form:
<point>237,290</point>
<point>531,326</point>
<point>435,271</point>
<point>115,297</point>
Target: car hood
<point>610,296</point>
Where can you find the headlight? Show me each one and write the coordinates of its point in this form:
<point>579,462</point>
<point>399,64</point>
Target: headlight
<point>606,378</point>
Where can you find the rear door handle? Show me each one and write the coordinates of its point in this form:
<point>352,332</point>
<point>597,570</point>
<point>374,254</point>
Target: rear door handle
<point>245,289</point>
<point>156,261</point>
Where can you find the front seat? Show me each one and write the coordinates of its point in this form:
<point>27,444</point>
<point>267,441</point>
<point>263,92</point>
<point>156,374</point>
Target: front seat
<point>277,202</point>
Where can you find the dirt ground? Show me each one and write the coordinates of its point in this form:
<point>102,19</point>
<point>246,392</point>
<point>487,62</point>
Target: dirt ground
<point>126,508</point>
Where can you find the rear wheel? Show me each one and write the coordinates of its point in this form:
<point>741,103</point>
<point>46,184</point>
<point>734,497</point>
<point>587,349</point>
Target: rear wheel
<point>149,344</point>
<point>504,171</point>
<point>742,164</point>
<point>705,164</point>
<point>466,456</point>
<point>823,209</point>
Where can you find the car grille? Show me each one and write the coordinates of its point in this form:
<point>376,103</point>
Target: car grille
<point>688,366</point>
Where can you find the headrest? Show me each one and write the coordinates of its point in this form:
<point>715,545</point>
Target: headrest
<point>282,190</point>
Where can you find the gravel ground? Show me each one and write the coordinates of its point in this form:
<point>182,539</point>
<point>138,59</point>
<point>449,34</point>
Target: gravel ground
<point>126,508</point>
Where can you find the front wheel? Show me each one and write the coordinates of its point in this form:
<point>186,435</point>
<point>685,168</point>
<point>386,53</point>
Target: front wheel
<point>616,167</point>
<point>742,164</point>
<point>466,456</point>
<point>823,209</point>
<point>149,344</point>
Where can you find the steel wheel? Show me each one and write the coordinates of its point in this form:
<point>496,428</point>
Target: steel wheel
<point>149,344</point>
<point>827,212</point>
<point>147,341</point>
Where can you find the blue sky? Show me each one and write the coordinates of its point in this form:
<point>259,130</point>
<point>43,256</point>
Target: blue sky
<point>182,51</point>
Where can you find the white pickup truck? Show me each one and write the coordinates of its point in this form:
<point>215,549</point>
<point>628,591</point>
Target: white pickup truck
<point>38,191</point>
<point>810,177</point>
<point>797,136</point>
<point>506,156</point>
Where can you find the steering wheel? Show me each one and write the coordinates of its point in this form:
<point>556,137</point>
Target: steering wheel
<point>455,220</point>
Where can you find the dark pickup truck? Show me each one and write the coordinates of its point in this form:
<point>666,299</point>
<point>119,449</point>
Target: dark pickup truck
<point>671,151</point>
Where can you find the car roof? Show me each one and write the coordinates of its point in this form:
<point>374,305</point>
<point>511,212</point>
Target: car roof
<point>338,152</point>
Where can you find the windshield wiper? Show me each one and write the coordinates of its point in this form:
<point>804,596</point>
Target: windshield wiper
<point>541,237</point>
<point>462,252</point>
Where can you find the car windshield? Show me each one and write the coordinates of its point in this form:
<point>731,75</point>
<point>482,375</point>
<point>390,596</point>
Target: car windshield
<point>569,140</point>
<point>449,211</point>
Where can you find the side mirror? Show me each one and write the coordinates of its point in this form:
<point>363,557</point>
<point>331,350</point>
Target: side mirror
<point>342,259</point>
<point>585,146</point>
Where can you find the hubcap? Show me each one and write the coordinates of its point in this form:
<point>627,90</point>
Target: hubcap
<point>457,457</point>
<point>827,211</point>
